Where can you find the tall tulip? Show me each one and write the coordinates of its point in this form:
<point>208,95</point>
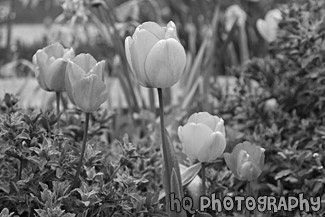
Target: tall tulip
<point>86,89</point>
<point>157,60</point>
<point>51,62</point>
<point>155,55</point>
<point>246,161</point>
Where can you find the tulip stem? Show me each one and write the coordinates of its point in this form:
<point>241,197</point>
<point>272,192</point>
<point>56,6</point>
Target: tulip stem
<point>58,96</point>
<point>250,192</point>
<point>83,144</point>
<point>203,177</point>
<point>164,148</point>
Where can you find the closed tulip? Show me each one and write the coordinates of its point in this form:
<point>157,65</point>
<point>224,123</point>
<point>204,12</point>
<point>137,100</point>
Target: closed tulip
<point>268,27</point>
<point>51,63</point>
<point>155,55</point>
<point>232,14</point>
<point>203,137</point>
<point>84,82</point>
<point>246,161</point>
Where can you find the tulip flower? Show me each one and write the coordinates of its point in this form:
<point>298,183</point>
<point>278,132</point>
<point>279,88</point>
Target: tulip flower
<point>246,161</point>
<point>84,82</point>
<point>233,13</point>
<point>86,89</point>
<point>203,137</point>
<point>268,27</point>
<point>155,55</point>
<point>51,63</point>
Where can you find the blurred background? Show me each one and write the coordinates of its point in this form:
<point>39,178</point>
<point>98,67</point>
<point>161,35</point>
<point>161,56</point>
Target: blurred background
<point>206,30</point>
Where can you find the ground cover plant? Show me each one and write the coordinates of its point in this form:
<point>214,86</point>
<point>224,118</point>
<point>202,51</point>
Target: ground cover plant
<point>248,121</point>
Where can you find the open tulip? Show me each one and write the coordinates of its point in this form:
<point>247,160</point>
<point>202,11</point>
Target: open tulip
<point>269,26</point>
<point>246,161</point>
<point>51,63</point>
<point>84,82</point>
<point>155,55</point>
<point>203,137</point>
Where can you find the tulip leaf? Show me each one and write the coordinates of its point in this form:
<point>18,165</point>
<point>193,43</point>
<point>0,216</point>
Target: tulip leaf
<point>170,164</point>
<point>177,190</point>
<point>188,174</point>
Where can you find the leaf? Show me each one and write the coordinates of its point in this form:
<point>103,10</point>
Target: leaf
<point>176,188</point>
<point>189,173</point>
<point>282,174</point>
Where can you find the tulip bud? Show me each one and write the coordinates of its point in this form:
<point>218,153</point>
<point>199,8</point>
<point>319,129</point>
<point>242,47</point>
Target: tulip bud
<point>84,82</point>
<point>155,55</point>
<point>233,13</point>
<point>246,161</point>
<point>203,137</point>
<point>51,63</point>
<point>268,27</point>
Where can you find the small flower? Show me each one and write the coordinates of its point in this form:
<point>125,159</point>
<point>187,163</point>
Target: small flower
<point>233,13</point>
<point>155,55</point>
<point>51,63</point>
<point>246,161</point>
<point>84,82</point>
<point>268,27</point>
<point>203,137</point>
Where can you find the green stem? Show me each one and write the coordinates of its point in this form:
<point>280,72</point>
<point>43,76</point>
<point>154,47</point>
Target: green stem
<point>203,177</point>
<point>83,144</point>
<point>164,148</point>
<point>58,96</point>
<point>250,192</point>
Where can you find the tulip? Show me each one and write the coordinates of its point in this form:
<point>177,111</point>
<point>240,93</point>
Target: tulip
<point>51,63</point>
<point>268,27</point>
<point>233,13</point>
<point>246,161</point>
<point>155,55</point>
<point>203,137</point>
<point>84,82</point>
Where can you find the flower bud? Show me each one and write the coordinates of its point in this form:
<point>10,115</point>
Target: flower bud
<point>203,137</point>
<point>232,14</point>
<point>51,63</point>
<point>84,82</point>
<point>268,27</point>
<point>246,161</point>
<point>155,55</point>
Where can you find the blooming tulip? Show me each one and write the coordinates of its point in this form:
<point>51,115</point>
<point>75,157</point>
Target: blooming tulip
<point>84,82</point>
<point>246,161</point>
<point>269,26</point>
<point>51,63</point>
<point>203,137</point>
<point>155,55</point>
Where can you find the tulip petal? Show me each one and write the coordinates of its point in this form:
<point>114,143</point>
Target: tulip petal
<point>41,71</point>
<point>54,50</point>
<point>56,76</point>
<point>85,61</point>
<point>220,125</point>
<point>73,74</point>
<point>193,137</point>
<point>68,54</point>
<point>128,42</point>
<point>255,152</point>
<point>153,28</point>
<point>143,41</point>
<point>165,63</point>
<point>89,93</point>
<point>231,163</point>
<point>98,69</point>
<point>213,147</point>
<point>204,118</point>
<point>171,31</point>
